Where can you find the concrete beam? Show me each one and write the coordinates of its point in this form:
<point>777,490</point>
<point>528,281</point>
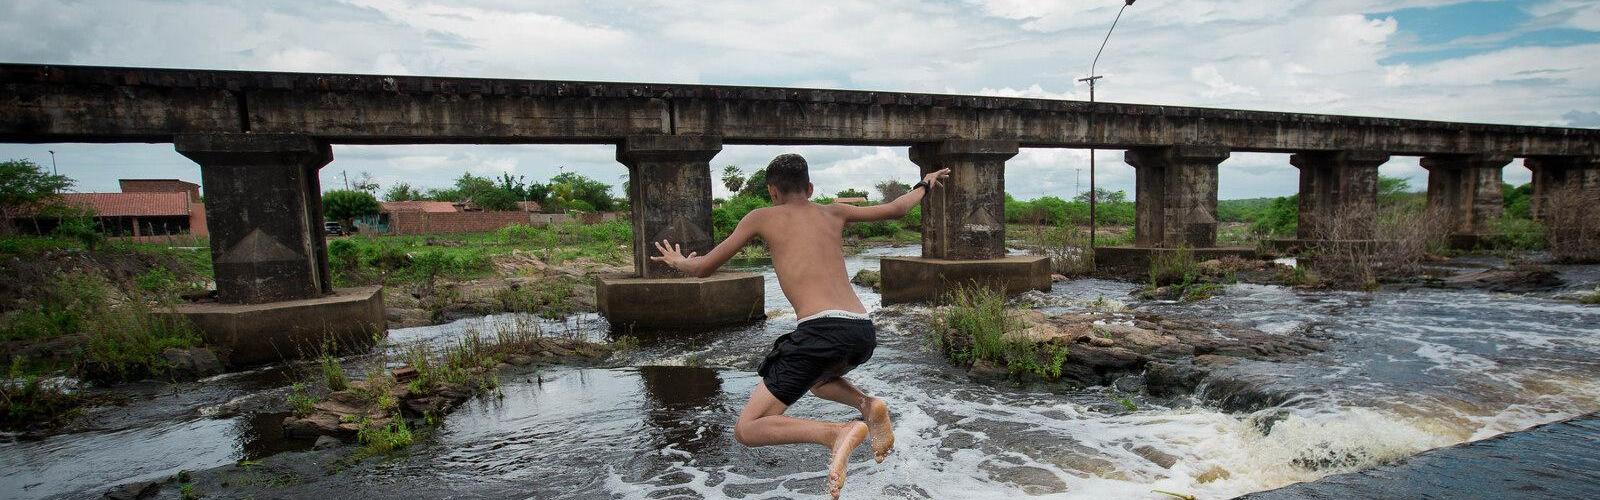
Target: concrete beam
<point>669,179</point>
<point>1467,190</point>
<point>53,103</point>
<point>1555,173</point>
<point>1337,185</point>
<point>264,212</point>
<point>965,218</point>
<point>1175,199</point>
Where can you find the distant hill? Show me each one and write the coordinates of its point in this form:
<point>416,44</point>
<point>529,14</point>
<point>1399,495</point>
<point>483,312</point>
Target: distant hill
<point>1241,210</point>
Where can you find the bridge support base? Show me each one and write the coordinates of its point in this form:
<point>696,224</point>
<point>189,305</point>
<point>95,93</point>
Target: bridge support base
<point>922,279</point>
<point>1137,259</point>
<point>256,334</point>
<point>631,302</point>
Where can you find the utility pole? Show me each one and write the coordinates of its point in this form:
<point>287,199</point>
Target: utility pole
<point>1091,79</point>
<point>53,169</point>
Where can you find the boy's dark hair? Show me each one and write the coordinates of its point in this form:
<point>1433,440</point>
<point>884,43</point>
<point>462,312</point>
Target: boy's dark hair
<point>788,173</point>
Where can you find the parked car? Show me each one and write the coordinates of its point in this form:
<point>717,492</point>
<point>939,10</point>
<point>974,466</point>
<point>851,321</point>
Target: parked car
<point>333,228</point>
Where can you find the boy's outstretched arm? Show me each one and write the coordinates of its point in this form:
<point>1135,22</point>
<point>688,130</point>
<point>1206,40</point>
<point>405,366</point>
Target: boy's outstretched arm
<point>700,266</point>
<point>894,209</point>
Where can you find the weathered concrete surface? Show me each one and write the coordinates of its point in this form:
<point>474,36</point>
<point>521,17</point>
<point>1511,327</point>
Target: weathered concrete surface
<point>630,302</point>
<point>965,218</point>
<point>1175,202</point>
<point>255,334</point>
<point>264,209</point>
<point>53,103</point>
<point>921,279</point>
<point>670,185</point>
<point>1556,460</point>
<point>1467,190</point>
<point>1555,173</point>
<point>1137,259</point>
<point>1339,186</point>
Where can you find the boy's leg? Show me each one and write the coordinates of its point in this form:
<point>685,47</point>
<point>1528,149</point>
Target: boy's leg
<point>872,409</point>
<point>763,423</point>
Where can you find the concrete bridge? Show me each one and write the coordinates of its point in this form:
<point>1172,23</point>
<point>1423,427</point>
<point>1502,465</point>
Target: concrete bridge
<point>260,137</point>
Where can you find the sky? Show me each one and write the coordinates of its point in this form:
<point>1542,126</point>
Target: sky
<point>1530,62</point>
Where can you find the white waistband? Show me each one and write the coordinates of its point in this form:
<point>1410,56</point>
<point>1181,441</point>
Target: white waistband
<point>835,313</point>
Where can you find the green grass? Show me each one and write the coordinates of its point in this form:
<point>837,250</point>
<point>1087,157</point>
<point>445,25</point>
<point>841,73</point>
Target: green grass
<point>301,403</point>
<point>420,258</point>
<point>333,374</point>
<point>381,439</point>
<point>25,399</point>
<point>1177,266</point>
<point>975,326</point>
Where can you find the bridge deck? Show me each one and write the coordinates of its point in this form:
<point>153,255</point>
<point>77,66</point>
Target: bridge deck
<point>1557,460</point>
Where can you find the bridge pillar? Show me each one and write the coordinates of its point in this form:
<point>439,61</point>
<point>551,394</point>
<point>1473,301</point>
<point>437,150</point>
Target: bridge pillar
<point>1552,174</point>
<point>1175,205</point>
<point>1338,199</point>
<point>275,298</point>
<point>963,228</point>
<point>1466,189</point>
<point>670,191</point>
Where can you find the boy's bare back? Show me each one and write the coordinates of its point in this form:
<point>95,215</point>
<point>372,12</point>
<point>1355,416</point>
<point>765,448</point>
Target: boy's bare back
<point>808,253</point>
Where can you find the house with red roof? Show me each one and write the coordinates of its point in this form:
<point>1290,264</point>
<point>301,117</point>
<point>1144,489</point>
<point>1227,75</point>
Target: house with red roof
<point>145,207</point>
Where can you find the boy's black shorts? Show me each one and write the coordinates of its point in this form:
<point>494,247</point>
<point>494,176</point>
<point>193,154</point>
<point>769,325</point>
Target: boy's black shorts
<point>817,350</point>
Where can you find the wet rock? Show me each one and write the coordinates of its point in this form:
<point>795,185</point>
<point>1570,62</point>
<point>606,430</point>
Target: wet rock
<point>326,442</point>
<point>134,490</point>
<point>1156,456</point>
<point>404,374</point>
<point>520,359</point>
<point>194,362</point>
<point>984,368</point>
<point>314,425</point>
<point>1518,279</point>
<point>868,278</point>
<point>1215,473</point>
<point>1211,267</point>
<point>1057,278</point>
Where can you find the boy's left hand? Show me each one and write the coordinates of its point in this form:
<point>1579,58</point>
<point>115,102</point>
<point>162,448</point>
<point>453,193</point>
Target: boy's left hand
<point>672,254</point>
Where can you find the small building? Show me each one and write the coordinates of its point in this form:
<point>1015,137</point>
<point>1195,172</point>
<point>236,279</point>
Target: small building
<point>852,200</point>
<point>145,207</point>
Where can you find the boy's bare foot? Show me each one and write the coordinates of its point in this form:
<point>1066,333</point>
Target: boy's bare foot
<point>877,413</point>
<point>849,438</point>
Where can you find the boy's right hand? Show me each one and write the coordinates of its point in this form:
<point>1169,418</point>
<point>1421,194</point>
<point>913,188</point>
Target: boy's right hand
<point>933,177</point>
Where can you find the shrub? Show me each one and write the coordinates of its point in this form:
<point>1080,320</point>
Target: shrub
<point>379,439</point>
<point>1173,267</point>
<point>300,402</point>
<point>977,325</point>
<point>25,399</point>
<point>724,218</point>
<point>872,229</point>
<point>1572,230</point>
<point>332,372</point>
<point>1516,233</point>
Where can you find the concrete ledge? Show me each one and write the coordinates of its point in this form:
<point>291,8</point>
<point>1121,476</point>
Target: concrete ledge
<point>918,279</point>
<point>1137,259</point>
<point>630,302</point>
<point>255,334</point>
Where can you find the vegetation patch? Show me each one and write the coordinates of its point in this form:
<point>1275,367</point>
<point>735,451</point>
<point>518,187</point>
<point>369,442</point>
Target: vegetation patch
<point>976,326</point>
<point>28,400</point>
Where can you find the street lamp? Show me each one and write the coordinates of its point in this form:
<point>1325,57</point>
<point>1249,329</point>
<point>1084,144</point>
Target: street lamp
<point>1091,79</point>
<point>53,169</point>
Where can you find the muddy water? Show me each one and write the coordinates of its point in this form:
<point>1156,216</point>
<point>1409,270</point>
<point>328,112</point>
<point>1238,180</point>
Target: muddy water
<point>1406,371</point>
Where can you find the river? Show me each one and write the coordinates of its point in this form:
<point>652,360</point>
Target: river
<point>1406,371</point>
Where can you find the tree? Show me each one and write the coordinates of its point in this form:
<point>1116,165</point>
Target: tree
<point>732,178</point>
<point>516,186</point>
<point>756,186</point>
<point>851,193</point>
<point>365,183</point>
<point>570,186</point>
<point>891,189</point>
<point>402,192</point>
<point>498,200</point>
<point>24,187</point>
<point>1104,196</point>
<point>347,204</point>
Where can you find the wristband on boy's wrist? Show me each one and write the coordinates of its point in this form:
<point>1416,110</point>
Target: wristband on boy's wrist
<point>920,184</point>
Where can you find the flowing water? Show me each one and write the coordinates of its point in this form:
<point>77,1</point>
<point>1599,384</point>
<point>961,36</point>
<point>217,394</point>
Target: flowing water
<point>1406,371</point>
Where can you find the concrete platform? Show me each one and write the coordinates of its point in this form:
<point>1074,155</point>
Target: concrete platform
<point>1556,460</point>
<point>1137,259</point>
<point>918,279</point>
<point>254,334</point>
<point>630,302</point>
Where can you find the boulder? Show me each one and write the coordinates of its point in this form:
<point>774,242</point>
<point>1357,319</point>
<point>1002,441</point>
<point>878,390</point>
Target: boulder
<point>133,491</point>
<point>1156,456</point>
<point>868,278</point>
<point>326,442</point>
<point>1518,279</point>
<point>315,425</point>
<point>194,362</point>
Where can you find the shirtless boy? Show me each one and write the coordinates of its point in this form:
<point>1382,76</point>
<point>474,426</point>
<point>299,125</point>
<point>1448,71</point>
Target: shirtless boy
<point>834,335</point>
